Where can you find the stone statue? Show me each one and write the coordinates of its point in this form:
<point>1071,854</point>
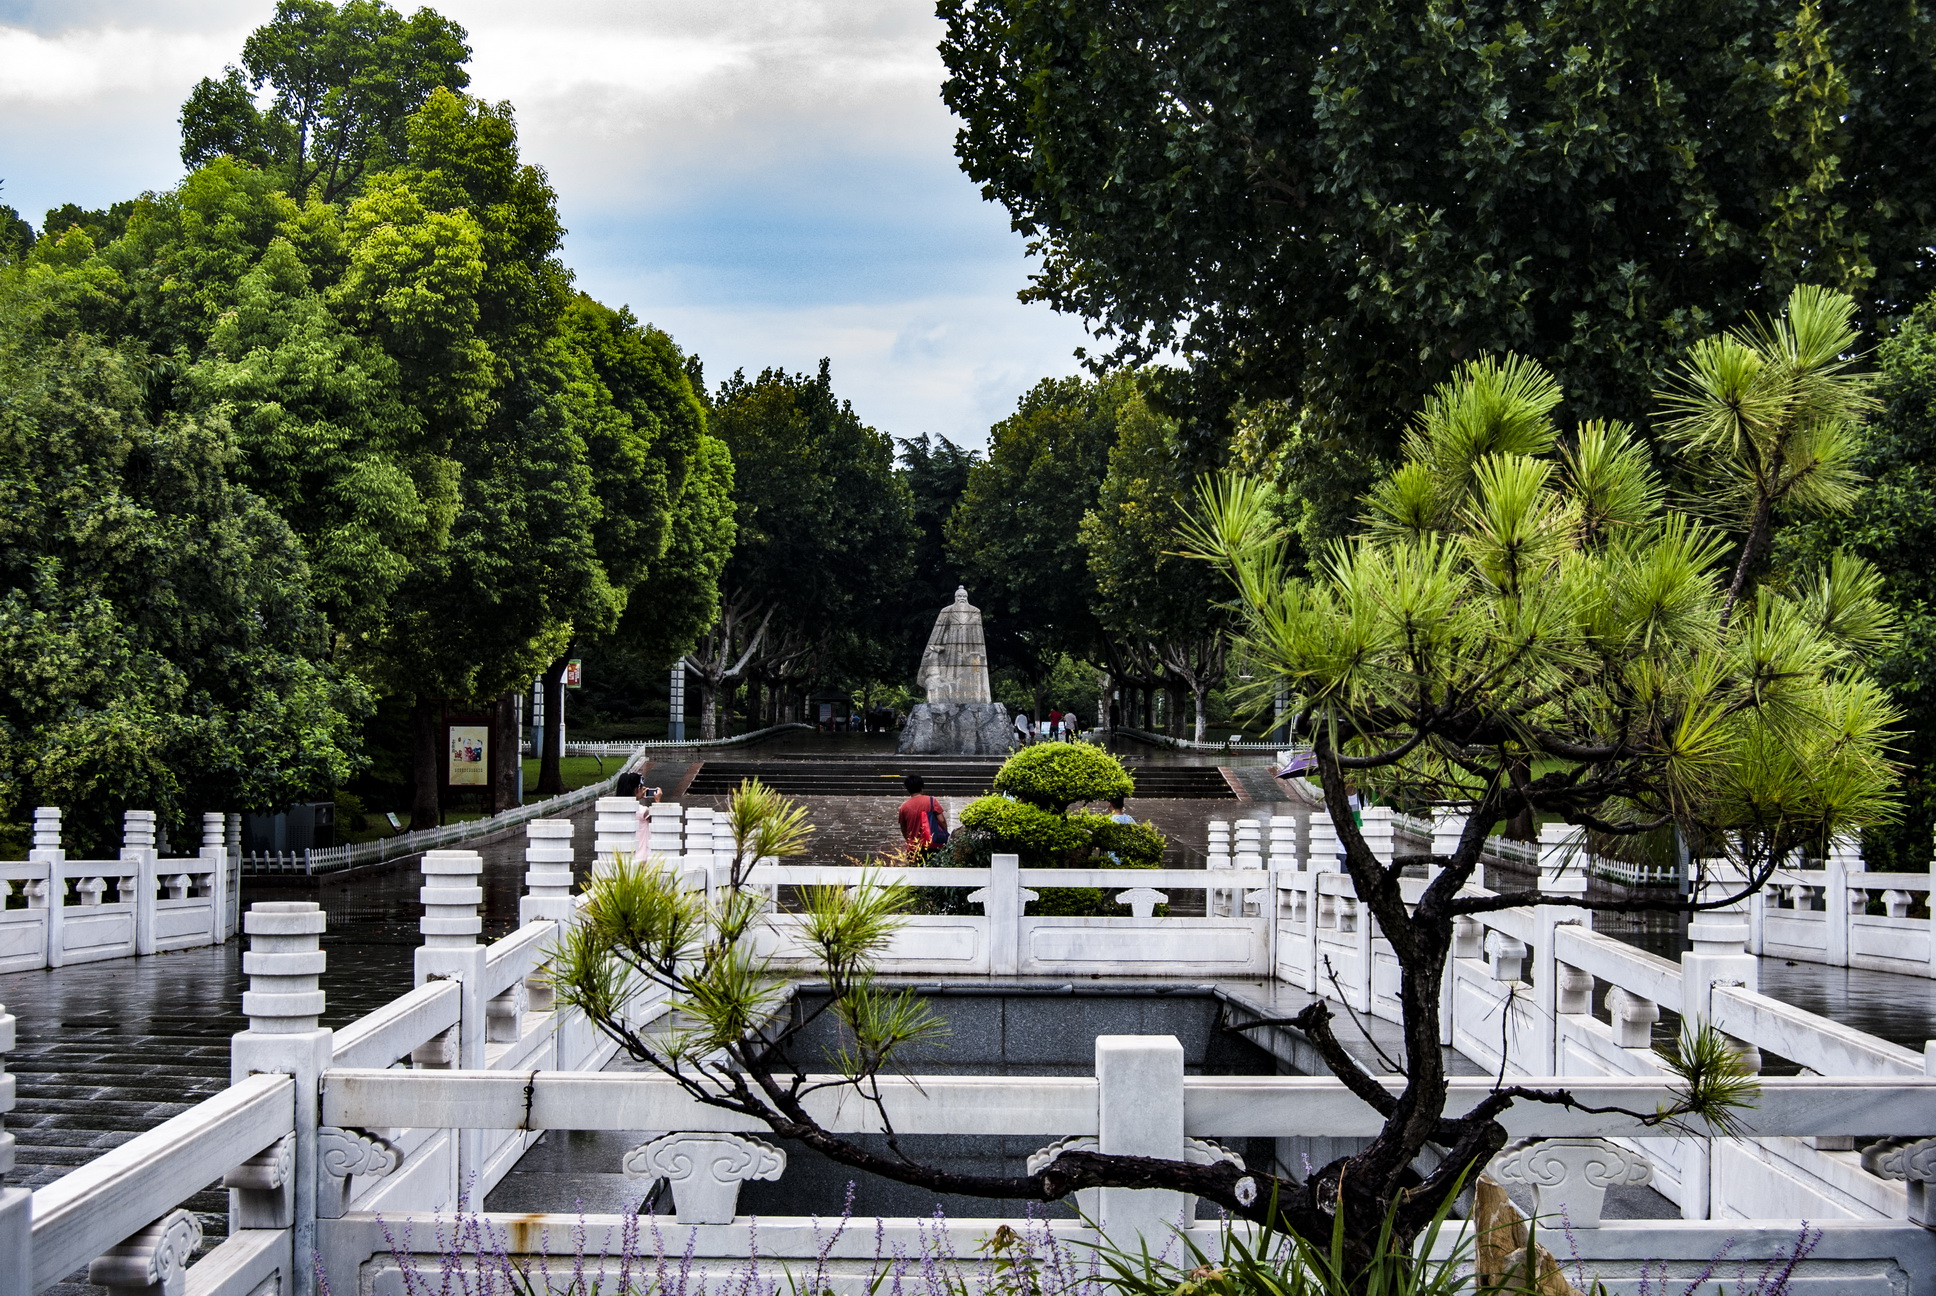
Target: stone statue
<point>955,666</point>
<point>958,719</point>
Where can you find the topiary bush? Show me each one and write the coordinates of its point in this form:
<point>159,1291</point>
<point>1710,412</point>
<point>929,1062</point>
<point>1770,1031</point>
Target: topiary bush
<point>1028,816</point>
<point>1137,845</point>
<point>1041,837</point>
<point>1055,776</point>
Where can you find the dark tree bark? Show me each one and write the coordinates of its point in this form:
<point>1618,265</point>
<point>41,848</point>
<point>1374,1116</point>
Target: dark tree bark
<point>508,753</point>
<point>426,762</point>
<point>551,774</point>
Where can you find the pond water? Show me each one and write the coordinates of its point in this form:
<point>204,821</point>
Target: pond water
<point>1032,1032</point>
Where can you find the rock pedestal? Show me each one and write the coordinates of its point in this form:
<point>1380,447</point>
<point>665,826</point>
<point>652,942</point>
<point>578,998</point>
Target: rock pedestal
<point>957,729</point>
<point>958,719</point>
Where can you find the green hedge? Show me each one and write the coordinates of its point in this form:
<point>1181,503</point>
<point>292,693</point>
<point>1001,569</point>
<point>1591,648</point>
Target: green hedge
<point>1047,840</point>
<point>1055,776</point>
<point>1041,837</point>
<point>1137,845</point>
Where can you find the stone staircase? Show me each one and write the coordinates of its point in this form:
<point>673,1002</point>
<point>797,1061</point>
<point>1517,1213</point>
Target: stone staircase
<point>946,776</point>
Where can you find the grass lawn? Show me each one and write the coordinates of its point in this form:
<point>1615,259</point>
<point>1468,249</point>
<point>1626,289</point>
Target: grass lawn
<point>578,771</point>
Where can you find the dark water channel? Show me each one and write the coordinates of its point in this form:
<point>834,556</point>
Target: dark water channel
<point>990,1032</point>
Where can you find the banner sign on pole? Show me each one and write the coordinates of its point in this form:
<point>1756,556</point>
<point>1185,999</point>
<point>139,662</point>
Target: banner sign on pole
<point>470,755</point>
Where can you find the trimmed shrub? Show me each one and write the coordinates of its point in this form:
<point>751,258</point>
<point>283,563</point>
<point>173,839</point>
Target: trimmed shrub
<point>1137,845</point>
<point>1055,776</point>
<point>1041,837</point>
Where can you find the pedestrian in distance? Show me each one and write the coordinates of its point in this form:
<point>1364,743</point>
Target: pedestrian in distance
<point>924,820</point>
<point>632,784</point>
<point>1024,728</point>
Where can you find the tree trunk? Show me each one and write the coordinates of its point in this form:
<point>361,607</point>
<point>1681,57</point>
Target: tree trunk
<point>708,709</point>
<point>504,742</point>
<point>726,691</point>
<point>426,748</point>
<point>1758,533</point>
<point>1201,689</point>
<point>551,775</point>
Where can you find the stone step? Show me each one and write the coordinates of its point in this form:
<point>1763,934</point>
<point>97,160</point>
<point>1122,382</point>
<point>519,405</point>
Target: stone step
<point>944,776</point>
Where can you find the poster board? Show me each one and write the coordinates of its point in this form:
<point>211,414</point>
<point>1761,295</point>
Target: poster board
<point>469,755</point>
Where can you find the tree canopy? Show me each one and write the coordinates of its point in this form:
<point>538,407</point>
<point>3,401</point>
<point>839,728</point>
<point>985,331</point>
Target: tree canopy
<point>1157,604</point>
<point>357,294</point>
<point>162,646</point>
<point>1016,531</point>
<point>826,532</point>
<point>1329,206</point>
<point>345,79</point>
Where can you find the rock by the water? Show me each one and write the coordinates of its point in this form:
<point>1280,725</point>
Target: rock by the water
<point>957,729</point>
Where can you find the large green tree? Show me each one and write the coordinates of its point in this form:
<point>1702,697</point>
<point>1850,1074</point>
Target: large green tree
<point>824,541</point>
<point>345,78</point>
<point>646,442</point>
<point>1152,600</point>
<point>937,471</point>
<point>1891,523</point>
<point>159,644</point>
<point>478,464</point>
<point>1016,531</point>
<point>1328,204</point>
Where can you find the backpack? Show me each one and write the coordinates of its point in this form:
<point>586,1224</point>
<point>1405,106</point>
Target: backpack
<point>935,824</point>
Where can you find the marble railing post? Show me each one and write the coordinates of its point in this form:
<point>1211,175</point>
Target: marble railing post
<point>668,832</point>
<point>215,851</point>
<point>1719,957</point>
<point>1468,942</point>
<point>1139,1079</point>
<point>1720,937</point>
<point>1562,874</point>
<point>47,850</point>
<point>1324,843</point>
<point>1837,904</point>
<point>615,831</point>
<point>138,845</point>
<point>284,1005</point>
<point>548,858</point>
<point>452,952</point>
<point>16,1204</point>
<point>1929,924</point>
<point>1379,832</point>
<point>1447,827</point>
<point>1001,904</point>
<point>232,835</point>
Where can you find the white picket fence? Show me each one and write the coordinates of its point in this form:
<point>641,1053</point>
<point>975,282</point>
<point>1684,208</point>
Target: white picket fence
<point>55,911</point>
<point>337,1142</point>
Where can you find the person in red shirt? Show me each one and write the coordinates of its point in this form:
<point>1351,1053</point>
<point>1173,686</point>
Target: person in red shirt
<point>915,827</point>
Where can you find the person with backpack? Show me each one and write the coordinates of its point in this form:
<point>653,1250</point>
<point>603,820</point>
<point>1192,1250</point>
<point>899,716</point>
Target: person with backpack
<point>924,820</point>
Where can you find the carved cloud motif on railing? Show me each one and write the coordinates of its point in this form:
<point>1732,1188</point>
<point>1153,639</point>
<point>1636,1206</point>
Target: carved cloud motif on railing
<point>705,1171</point>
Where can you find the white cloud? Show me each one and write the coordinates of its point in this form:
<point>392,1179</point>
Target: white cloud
<point>80,65</point>
<point>946,365</point>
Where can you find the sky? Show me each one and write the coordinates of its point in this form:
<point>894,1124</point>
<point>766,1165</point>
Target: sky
<point>770,181</point>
